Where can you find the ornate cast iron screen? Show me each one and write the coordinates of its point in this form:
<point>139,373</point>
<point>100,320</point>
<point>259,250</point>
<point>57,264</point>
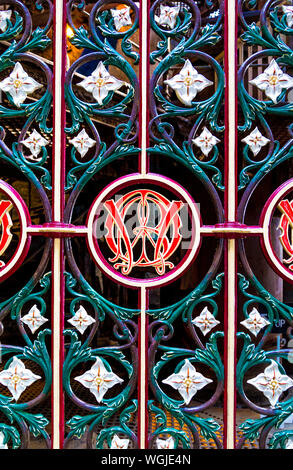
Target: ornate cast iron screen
<point>146,211</point>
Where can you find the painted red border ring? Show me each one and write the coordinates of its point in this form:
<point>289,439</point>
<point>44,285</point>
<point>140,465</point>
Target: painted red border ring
<point>24,239</point>
<point>158,180</point>
<point>265,223</point>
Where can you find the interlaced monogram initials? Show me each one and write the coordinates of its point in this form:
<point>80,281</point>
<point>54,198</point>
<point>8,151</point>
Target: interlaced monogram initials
<point>6,224</point>
<point>143,230</point>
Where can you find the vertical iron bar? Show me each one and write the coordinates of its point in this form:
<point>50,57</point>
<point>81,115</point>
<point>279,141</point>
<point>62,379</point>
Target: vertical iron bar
<point>144,47</point>
<point>58,170</point>
<point>230,47</point>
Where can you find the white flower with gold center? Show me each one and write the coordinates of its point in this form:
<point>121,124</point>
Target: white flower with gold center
<point>19,85</point>
<point>34,143</point>
<point>272,383</point>
<point>5,15</point>
<point>81,320</point>
<point>187,381</point>
<point>2,445</point>
<point>272,81</point>
<point>121,18</point>
<point>206,141</point>
<point>33,319</point>
<point>98,379</point>
<point>165,443</point>
<point>118,443</point>
<point>100,83</point>
<point>187,83</point>
<point>205,321</point>
<point>17,378</point>
<point>82,142</point>
<point>255,322</point>
<point>168,16</point>
<point>255,140</point>
<point>288,10</point>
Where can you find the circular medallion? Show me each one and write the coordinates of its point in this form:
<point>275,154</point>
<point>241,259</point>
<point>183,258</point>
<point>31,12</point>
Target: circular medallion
<point>143,230</point>
<point>277,241</point>
<point>13,245</point>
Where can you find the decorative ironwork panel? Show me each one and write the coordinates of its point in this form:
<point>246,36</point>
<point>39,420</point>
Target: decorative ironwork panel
<point>146,217</point>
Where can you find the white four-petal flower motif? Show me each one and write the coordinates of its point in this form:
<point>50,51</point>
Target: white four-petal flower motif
<point>205,321</point>
<point>19,85</point>
<point>2,445</point>
<point>168,16</point>
<point>5,15</point>
<point>187,381</point>
<point>17,378</point>
<point>255,140</point>
<point>288,10</point>
<point>33,319</point>
<point>118,443</point>
<point>272,383</point>
<point>82,142</point>
<point>34,143</point>
<point>100,83</point>
<point>98,379</point>
<point>255,322</point>
<point>272,81</point>
<point>121,18</point>
<point>206,141</point>
<point>165,443</point>
<point>81,320</point>
<point>187,83</point>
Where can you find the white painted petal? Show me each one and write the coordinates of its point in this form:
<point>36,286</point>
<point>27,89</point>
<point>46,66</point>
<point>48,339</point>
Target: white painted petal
<point>289,444</point>
<point>187,369</point>
<point>165,443</point>
<point>98,392</point>
<point>85,379</point>
<point>2,445</point>
<point>118,443</point>
<point>4,17</point>
<point>175,380</point>
<point>98,368</point>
